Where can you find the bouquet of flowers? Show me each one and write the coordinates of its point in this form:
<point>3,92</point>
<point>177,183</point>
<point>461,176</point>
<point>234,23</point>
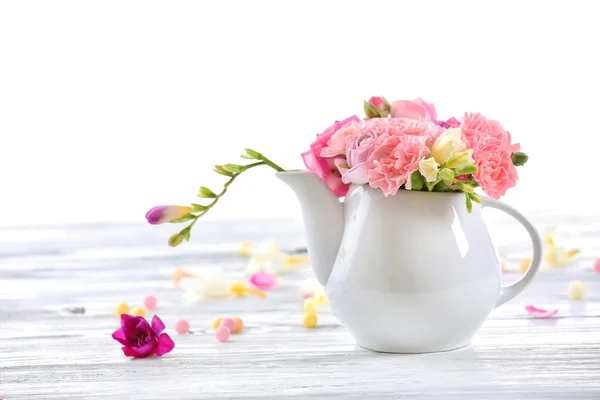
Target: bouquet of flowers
<point>397,146</point>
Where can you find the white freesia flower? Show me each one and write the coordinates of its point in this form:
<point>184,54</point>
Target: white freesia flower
<point>204,285</point>
<point>266,257</point>
<point>429,169</point>
<point>447,144</point>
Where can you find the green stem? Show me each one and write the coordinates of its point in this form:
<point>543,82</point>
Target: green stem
<point>264,161</point>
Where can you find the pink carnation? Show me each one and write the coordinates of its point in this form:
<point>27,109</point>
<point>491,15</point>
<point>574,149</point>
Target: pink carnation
<point>401,127</point>
<point>492,150</point>
<point>336,145</point>
<point>394,159</point>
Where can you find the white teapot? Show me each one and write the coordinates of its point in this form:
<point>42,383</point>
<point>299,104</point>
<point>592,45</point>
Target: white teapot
<point>410,273</point>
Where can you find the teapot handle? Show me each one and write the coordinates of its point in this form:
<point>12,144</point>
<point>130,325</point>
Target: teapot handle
<point>507,293</point>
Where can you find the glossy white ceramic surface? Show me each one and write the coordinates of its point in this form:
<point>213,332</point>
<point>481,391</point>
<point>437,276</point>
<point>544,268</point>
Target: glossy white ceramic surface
<point>410,273</point>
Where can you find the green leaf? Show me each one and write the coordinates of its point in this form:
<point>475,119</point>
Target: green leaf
<point>175,240</point>
<point>459,184</point>
<point>233,168</point>
<point>183,218</point>
<point>417,180</point>
<point>469,203</point>
<point>185,232</point>
<point>519,158</point>
<point>199,207</point>
<point>465,170</point>
<point>206,193</point>
<point>446,174</point>
<point>220,170</point>
<point>253,154</point>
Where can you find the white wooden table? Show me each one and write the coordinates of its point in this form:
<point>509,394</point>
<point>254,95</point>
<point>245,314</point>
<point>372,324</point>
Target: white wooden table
<point>47,353</point>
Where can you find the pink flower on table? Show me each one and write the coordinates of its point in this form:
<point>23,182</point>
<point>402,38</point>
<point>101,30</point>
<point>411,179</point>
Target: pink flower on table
<point>139,339</point>
<point>162,214</point>
<point>413,109</point>
<point>357,155</point>
<point>394,159</point>
<point>492,149</point>
<point>450,123</point>
<point>324,167</point>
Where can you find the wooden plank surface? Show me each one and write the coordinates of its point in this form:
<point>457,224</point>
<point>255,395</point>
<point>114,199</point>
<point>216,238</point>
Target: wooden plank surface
<point>47,353</point>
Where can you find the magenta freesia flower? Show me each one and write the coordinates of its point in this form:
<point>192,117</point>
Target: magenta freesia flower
<point>139,339</point>
<point>162,214</point>
<point>413,109</point>
<point>324,167</point>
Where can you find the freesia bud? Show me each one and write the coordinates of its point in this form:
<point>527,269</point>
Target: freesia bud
<point>447,145</point>
<point>446,174</point>
<point>206,193</point>
<point>175,240</point>
<point>417,180</point>
<point>518,158</point>
<point>220,170</point>
<point>161,214</point>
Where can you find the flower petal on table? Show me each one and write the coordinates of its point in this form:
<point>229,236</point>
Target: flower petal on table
<point>540,312</point>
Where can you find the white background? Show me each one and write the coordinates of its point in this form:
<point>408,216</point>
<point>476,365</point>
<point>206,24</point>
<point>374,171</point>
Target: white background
<point>108,108</point>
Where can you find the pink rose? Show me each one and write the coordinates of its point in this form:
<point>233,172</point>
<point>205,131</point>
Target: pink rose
<point>413,109</point>
<point>378,102</point>
<point>336,145</point>
<point>394,159</point>
<point>492,149</point>
<point>451,123</point>
<point>323,167</point>
<point>357,154</point>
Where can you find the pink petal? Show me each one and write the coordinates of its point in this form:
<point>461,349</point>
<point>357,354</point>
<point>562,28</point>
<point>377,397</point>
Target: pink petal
<point>157,325</point>
<point>119,335</point>
<point>263,280</point>
<point>165,344</point>
<point>540,312</point>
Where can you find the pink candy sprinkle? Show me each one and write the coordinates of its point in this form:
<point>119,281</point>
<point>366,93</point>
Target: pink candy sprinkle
<point>150,302</point>
<point>597,265</point>
<point>182,326</point>
<point>222,333</point>
<point>263,280</point>
<point>229,323</point>
<point>539,312</point>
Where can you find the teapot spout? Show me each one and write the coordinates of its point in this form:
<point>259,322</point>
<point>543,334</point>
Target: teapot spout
<point>323,215</point>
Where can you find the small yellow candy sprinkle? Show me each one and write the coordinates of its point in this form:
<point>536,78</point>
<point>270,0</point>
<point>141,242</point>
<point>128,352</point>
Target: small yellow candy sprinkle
<point>217,322</point>
<point>310,306</point>
<point>122,308</point>
<point>577,290</point>
<point>525,264</point>
<point>139,312</point>
<point>310,320</point>
<point>239,324</point>
<point>320,299</point>
<point>245,249</point>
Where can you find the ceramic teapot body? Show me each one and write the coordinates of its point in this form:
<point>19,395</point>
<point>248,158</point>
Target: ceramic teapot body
<point>409,273</point>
